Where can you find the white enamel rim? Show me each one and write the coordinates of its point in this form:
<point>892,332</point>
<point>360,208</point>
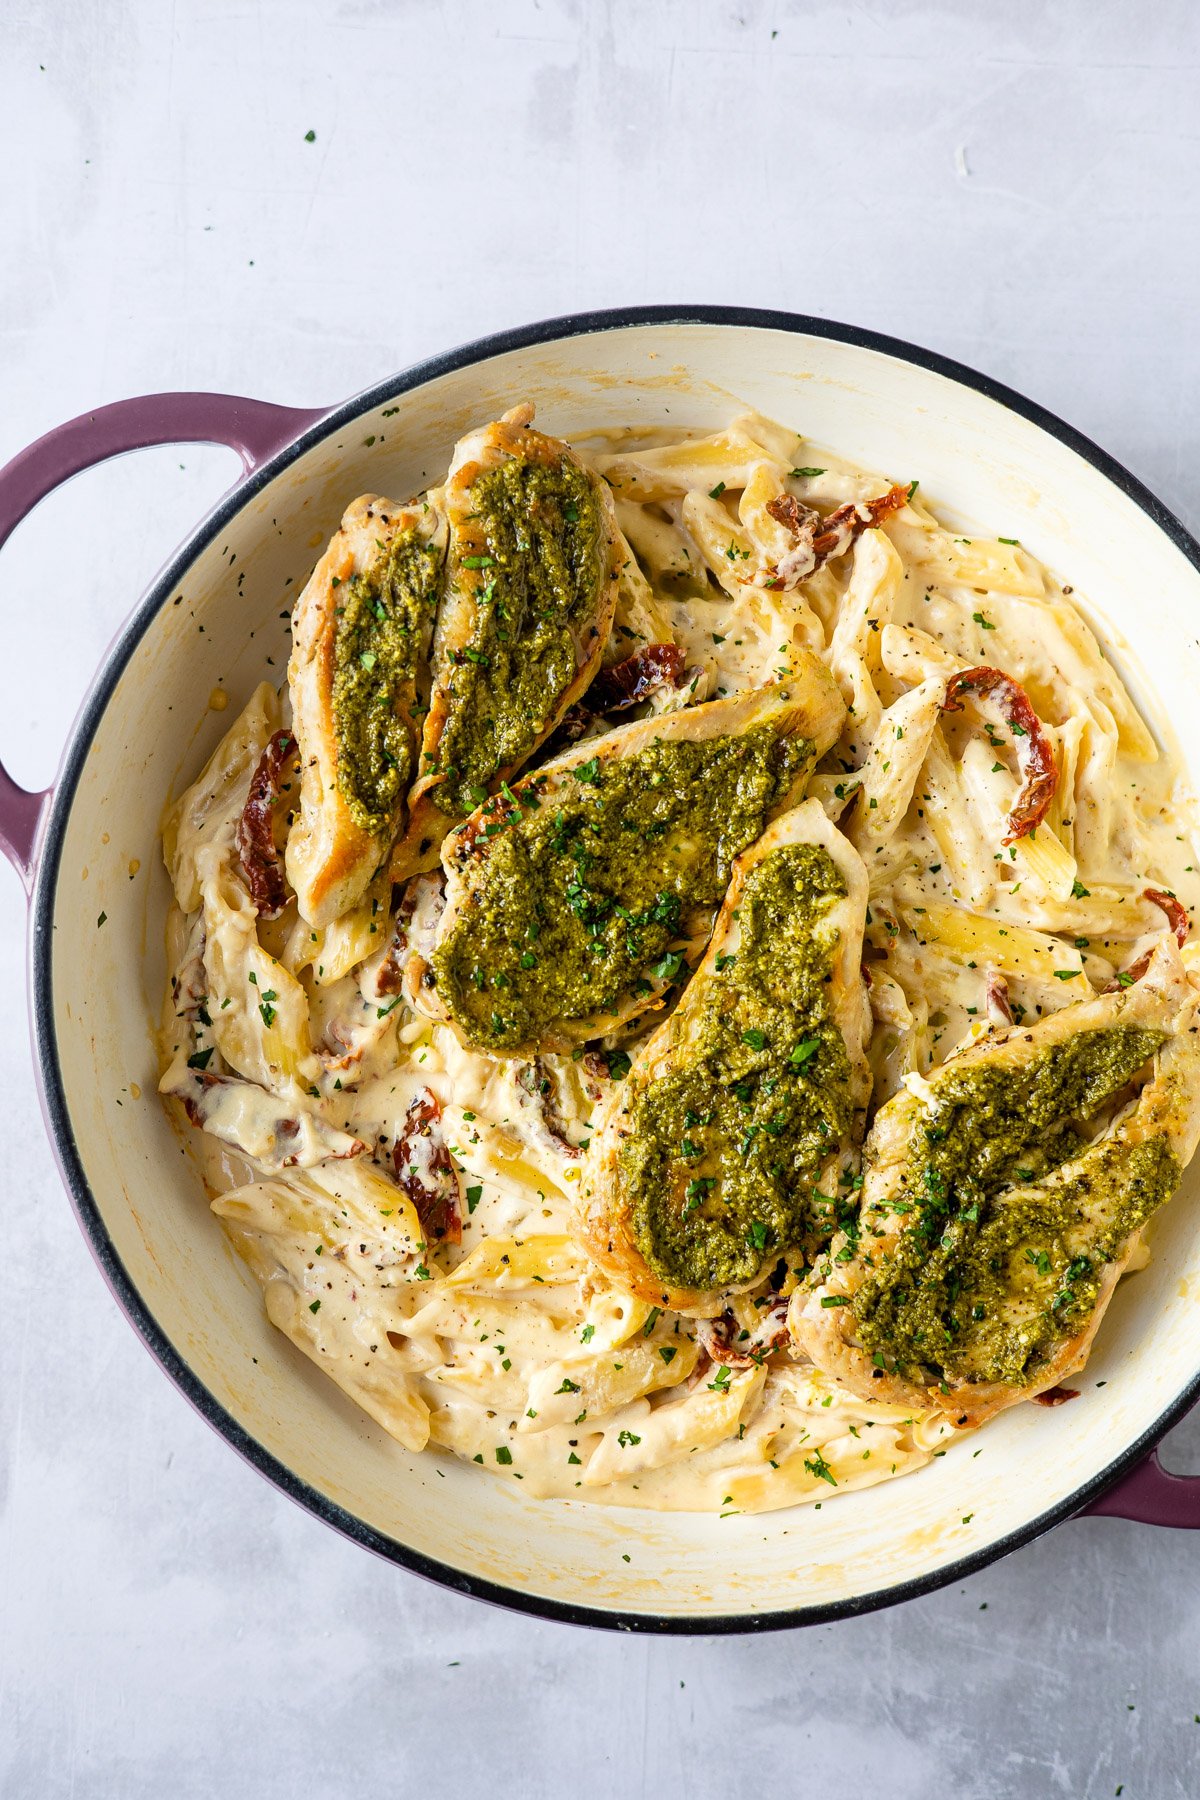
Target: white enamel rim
<point>135,1192</point>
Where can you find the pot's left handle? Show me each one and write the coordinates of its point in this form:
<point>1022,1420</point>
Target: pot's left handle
<point>254,428</point>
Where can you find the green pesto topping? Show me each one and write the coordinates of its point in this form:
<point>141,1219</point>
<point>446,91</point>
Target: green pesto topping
<point>536,575</point>
<point>576,898</point>
<point>383,618</point>
<point>724,1151</point>
<point>1005,1247</point>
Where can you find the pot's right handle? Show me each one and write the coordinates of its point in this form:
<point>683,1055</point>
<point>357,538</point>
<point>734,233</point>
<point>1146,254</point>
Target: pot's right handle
<point>254,428</point>
<point>1151,1495</point>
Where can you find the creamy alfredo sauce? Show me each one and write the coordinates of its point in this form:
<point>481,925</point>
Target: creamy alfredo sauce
<point>509,1349</point>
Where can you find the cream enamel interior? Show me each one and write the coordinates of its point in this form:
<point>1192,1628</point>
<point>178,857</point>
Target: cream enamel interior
<point>980,463</point>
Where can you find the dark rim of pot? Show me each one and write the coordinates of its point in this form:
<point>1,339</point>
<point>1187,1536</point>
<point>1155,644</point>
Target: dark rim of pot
<point>41,975</point>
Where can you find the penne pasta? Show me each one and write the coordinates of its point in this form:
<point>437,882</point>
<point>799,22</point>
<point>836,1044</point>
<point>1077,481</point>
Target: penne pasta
<point>976,939</point>
<point>979,563</point>
<point>983,831</point>
<point>726,460</point>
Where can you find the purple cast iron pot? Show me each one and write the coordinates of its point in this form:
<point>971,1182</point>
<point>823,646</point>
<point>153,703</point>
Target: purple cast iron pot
<point>212,621</point>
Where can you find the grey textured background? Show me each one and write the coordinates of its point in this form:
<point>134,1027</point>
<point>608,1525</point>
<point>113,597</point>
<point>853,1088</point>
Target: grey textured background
<point>1016,185</point>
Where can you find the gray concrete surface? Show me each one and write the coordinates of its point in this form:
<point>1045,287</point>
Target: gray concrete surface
<point>1018,186</point>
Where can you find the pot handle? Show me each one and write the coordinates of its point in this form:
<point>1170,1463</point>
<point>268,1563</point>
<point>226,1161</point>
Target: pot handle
<point>254,428</point>
<point>1151,1495</point>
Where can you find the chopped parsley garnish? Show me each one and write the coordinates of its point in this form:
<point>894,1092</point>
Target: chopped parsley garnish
<point>668,966</point>
<point>816,1465</point>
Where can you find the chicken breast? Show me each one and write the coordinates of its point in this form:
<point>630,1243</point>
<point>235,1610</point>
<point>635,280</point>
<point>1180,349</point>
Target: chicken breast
<point>531,590</point>
<point>360,644</point>
<point>732,1140</point>
<point>575,900</point>
<point>1002,1200</point>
